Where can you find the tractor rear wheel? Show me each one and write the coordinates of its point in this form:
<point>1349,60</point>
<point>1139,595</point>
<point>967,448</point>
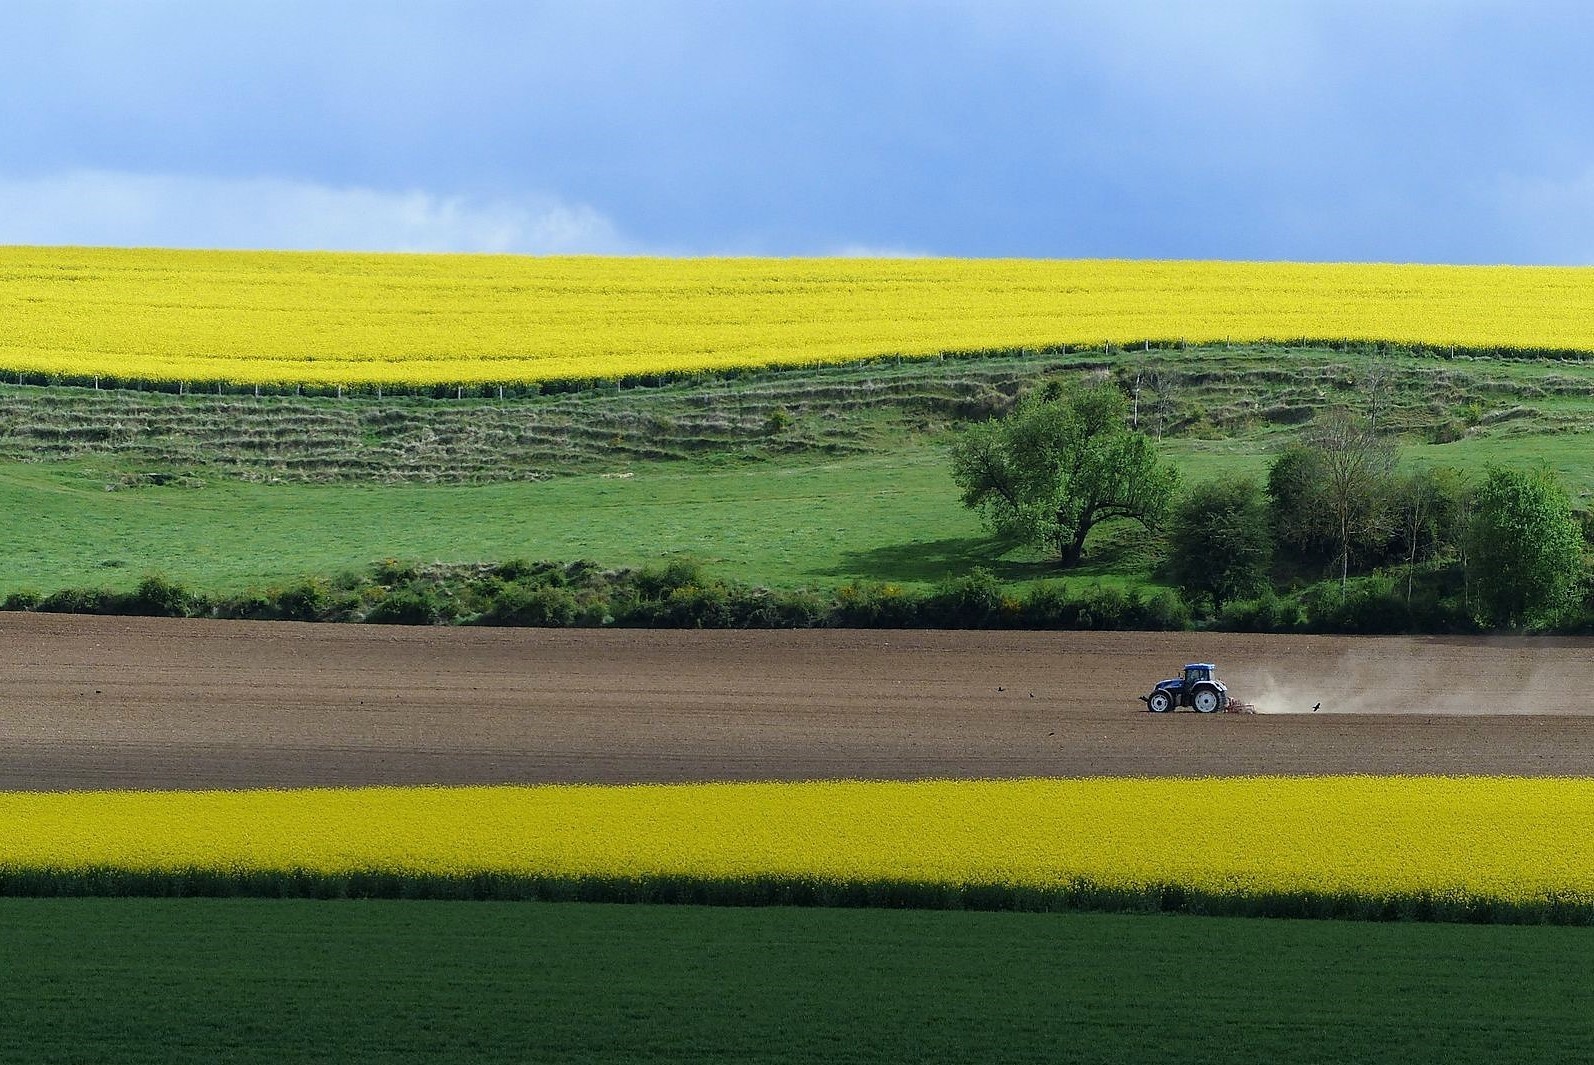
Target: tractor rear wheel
<point>1206,700</point>
<point>1160,702</point>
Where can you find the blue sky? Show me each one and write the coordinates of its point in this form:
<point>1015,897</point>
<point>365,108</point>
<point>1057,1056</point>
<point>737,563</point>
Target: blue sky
<point>1403,130</point>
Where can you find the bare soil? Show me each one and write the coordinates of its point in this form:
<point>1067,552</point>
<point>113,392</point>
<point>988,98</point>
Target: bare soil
<point>91,702</point>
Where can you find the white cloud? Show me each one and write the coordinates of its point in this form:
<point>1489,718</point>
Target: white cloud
<point>119,208</point>
<point>872,251</point>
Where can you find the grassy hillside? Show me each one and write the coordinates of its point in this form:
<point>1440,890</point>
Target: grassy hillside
<point>278,981</point>
<point>1244,399</point>
<point>798,477</point>
<point>287,319</point>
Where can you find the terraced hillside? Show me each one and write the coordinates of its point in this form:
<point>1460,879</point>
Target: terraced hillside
<point>1243,395</point>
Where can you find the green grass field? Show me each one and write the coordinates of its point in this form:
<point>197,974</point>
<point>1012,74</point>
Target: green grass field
<point>855,486</point>
<point>174,981</point>
<point>784,523</point>
<point>889,517</point>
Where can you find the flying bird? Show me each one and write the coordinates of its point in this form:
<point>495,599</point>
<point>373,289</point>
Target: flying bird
<point>1316,707</point>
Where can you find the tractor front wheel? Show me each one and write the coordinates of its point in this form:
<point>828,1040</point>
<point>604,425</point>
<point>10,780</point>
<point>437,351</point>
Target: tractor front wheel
<point>1160,702</point>
<point>1206,700</point>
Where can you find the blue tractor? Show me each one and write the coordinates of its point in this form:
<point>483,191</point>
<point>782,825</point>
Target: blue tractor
<point>1197,688</point>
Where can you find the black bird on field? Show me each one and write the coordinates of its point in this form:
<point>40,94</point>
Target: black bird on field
<point>1316,707</point>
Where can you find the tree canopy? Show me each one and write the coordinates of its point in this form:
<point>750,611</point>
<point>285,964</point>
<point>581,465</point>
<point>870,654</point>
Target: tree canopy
<point>1332,493</point>
<point>1219,542</point>
<point>1527,548</point>
<point>1057,466</point>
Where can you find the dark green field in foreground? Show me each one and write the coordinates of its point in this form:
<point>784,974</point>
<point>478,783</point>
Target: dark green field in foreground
<point>270,981</point>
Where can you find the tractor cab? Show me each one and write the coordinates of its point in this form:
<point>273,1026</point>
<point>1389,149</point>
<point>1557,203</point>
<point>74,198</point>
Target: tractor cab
<point>1197,688</point>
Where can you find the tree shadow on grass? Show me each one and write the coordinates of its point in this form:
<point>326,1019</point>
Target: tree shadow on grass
<point>1117,552</point>
<point>929,561</point>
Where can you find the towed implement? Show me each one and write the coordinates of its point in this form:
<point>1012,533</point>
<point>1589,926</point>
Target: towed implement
<point>1198,689</point>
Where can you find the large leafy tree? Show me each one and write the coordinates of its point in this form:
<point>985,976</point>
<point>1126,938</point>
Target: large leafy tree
<point>1527,549</point>
<point>1220,545</point>
<point>1058,466</point>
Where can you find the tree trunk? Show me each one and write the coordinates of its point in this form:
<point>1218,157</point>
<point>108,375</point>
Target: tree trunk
<point>1069,549</point>
<point>1344,556</point>
<point>1411,564</point>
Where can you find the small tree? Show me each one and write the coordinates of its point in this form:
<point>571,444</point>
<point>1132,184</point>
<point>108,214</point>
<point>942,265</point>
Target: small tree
<point>1297,508</point>
<point>1220,545</point>
<point>1055,468</point>
<point>1164,397</point>
<point>1357,468</point>
<point>1431,505</point>
<point>1377,385</point>
<point>1527,550</point>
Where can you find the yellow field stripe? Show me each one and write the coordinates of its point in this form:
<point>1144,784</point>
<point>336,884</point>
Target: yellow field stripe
<point>322,318</point>
<point>1508,839</point>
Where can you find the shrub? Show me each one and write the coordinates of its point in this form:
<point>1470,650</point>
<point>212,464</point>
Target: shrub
<point>799,609</point>
<point>407,607</point>
<point>1266,613</point>
<point>78,601</point>
<point>656,582</point>
<point>1375,612</point>
<point>537,605</point>
<point>973,601</point>
<point>868,605</point>
<point>1165,612</point>
<point>692,606</point>
<point>1103,608</point>
<point>391,571</point>
<point>1052,606</point>
<point>157,596</point>
<point>307,600</point>
<point>26,599</point>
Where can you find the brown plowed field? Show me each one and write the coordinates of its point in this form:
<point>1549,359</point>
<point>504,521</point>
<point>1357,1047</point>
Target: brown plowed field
<point>108,702</point>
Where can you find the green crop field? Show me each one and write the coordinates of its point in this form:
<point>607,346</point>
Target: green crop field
<point>175,981</point>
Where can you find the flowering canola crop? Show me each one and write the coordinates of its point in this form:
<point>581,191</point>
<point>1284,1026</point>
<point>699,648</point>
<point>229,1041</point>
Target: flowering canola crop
<point>1511,840</point>
<point>424,320</point>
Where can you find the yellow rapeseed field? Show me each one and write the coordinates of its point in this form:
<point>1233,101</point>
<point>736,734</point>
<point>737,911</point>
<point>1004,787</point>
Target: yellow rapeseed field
<point>281,318</point>
<point>1507,839</point>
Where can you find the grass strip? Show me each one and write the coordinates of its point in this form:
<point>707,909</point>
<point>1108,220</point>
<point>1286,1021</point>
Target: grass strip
<point>1077,896</point>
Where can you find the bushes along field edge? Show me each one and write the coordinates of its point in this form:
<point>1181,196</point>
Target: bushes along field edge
<point>681,594</point>
<point>674,594</point>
